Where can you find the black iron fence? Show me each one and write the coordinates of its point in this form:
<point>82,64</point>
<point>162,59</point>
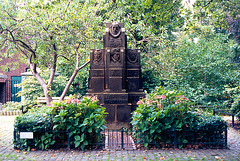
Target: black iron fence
<point>128,140</point>
<point>226,112</point>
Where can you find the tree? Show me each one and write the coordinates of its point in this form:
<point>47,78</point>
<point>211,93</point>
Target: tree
<point>217,10</point>
<point>223,14</point>
<point>149,26</point>
<point>47,32</point>
<point>203,66</point>
<point>51,34</point>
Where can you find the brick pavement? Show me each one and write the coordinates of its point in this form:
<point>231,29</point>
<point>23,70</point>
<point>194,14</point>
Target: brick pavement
<point>8,153</point>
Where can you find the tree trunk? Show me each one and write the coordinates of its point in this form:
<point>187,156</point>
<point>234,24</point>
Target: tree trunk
<point>71,80</point>
<point>43,84</point>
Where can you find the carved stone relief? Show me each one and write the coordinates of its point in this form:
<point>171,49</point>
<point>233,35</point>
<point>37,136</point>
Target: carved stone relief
<point>115,56</point>
<point>115,30</point>
<point>132,56</point>
<point>97,56</point>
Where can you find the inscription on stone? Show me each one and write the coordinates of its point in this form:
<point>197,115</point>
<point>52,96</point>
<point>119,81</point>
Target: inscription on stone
<point>133,73</point>
<point>111,99</point>
<point>118,42</point>
<point>115,73</point>
<point>97,73</point>
<point>132,86</point>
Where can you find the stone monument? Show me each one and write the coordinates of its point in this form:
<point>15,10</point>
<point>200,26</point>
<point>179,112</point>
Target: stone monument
<point>115,76</point>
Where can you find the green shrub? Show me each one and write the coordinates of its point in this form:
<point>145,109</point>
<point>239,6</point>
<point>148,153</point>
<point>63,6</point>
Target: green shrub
<point>164,111</point>
<point>82,119</point>
<point>12,106</point>
<point>210,122</point>
<point>32,88</point>
<point>233,101</point>
<point>35,120</point>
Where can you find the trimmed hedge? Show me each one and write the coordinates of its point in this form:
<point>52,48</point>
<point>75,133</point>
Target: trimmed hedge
<point>168,111</point>
<point>81,120</point>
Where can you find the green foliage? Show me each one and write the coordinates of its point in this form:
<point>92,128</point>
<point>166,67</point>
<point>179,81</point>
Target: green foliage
<point>31,89</point>
<point>203,67</point>
<point>45,141</point>
<point>216,11</point>
<point>233,101</point>
<point>156,14</point>
<point>210,122</point>
<point>83,119</point>
<point>34,120</point>
<point>80,83</point>
<point>166,110</point>
<point>12,106</point>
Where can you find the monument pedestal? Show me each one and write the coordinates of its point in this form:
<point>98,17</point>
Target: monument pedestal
<point>115,76</point>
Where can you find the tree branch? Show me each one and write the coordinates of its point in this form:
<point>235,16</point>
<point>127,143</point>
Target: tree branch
<point>64,57</point>
<point>71,80</point>
<point>83,65</point>
<point>54,64</point>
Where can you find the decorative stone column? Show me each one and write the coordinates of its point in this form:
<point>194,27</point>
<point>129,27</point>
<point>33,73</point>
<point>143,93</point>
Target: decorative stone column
<point>115,76</point>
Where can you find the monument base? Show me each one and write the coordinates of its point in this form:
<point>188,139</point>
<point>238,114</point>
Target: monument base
<point>117,125</point>
<point>117,105</point>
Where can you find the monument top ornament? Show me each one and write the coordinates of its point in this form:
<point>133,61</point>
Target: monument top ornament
<point>115,29</point>
<point>115,75</point>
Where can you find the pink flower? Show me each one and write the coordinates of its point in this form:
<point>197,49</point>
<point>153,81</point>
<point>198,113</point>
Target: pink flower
<point>140,102</point>
<point>69,100</point>
<point>160,97</point>
<point>149,102</point>
<point>163,97</point>
<point>94,99</point>
<point>178,101</point>
<point>157,97</point>
<point>77,101</point>
<point>183,97</point>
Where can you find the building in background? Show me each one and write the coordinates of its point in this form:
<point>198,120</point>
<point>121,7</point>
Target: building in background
<point>10,78</point>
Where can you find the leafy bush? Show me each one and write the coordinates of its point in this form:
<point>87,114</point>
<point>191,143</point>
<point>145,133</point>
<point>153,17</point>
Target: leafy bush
<point>32,88</point>
<point>11,106</point>
<point>164,111</point>
<point>205,67</point>
<point>232,93</point>
<point>35,120</point>
<point>210,122</point>
<point>82,119</point>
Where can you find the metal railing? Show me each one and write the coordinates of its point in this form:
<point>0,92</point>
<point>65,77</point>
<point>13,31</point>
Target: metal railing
<point>130,140</point>
<point>227,112</point>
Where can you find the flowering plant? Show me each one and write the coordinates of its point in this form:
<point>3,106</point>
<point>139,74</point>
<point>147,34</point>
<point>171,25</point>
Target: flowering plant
<point>162,99</point>
<point>161,111</point>
<point>84,118</point>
